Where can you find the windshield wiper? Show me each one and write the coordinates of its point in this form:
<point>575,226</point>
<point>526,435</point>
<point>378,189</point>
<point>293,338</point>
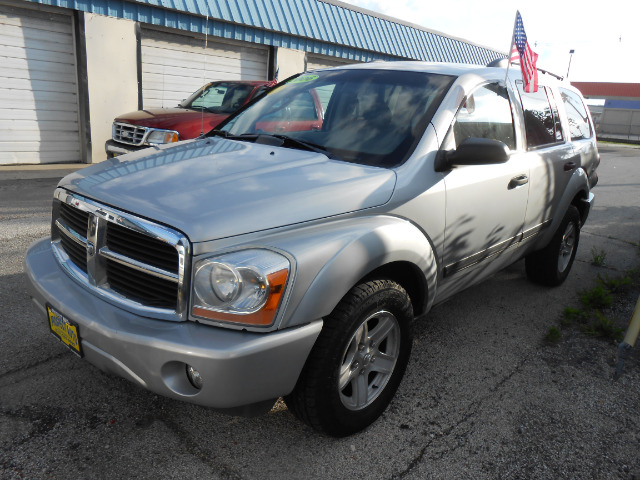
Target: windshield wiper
<point>218,133</point>
<point>286,140</point>
<point>246,137</point>
<point>314,147</point>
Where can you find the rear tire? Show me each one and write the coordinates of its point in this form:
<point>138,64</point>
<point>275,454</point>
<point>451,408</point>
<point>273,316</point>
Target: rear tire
<point>358,361</point>
<point>551,265</point>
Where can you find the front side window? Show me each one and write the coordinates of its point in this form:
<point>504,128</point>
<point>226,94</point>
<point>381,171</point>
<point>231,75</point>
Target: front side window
<point>541,125</point>
<point>579,125</point>
<point>486,113</point>
<point>372,117</point>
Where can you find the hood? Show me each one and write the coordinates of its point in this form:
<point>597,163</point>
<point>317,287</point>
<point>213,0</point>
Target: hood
<point>214,188</point>
<point>173,119</point>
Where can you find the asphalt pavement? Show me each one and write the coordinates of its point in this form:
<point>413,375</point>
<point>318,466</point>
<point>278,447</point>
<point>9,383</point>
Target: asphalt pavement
<point>484,397</point>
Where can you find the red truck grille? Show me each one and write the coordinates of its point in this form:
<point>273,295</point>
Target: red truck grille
<point>129,134</point>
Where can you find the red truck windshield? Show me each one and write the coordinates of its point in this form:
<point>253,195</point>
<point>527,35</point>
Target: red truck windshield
<point>219,97</point>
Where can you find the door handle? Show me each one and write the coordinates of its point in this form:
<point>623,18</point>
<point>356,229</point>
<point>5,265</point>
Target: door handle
<point>570,166</point>
<point>518,181</point>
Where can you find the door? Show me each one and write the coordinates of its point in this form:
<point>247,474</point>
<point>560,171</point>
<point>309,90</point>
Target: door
<point>552,160</point>
<point>485,204</point>
<point>174,66</point>
<point>38,93</point>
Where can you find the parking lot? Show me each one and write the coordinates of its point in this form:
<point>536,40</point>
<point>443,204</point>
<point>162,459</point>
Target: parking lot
<point>485,396</point>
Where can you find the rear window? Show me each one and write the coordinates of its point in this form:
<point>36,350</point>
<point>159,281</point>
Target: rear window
<point>579,126</point>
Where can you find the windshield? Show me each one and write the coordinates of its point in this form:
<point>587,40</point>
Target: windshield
<point>372,117</point>
<point>219,97</point>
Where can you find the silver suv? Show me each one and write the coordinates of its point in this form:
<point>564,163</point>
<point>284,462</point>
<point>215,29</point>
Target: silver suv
<point>287,253</point>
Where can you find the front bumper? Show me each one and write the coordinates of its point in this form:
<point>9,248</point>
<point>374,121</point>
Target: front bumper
<point>238,369</point>
<point>113,148</point>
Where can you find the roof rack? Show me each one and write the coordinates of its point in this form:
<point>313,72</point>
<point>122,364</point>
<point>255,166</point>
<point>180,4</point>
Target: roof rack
<point>552,74</point>
<point>503,63</point>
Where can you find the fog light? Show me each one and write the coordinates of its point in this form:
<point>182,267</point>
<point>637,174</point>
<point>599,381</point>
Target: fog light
<point>194,377</point>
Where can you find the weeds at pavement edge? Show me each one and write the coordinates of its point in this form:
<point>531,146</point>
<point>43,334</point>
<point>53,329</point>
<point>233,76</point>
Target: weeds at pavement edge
<point>598,257</point>
<point>589,317</point>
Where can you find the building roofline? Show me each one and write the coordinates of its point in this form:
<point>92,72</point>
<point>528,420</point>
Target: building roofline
<point>415,26</point>
<point>317,26</point>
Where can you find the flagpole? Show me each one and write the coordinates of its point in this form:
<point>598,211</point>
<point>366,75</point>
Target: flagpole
<point>513,36</point>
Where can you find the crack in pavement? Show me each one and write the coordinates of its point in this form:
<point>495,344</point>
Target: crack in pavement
<point>472,410</point>
<point>608,237</point>
<point>194,449</point>
<point>42,420</point>
<point>22,369</point>
<point>191,446</point>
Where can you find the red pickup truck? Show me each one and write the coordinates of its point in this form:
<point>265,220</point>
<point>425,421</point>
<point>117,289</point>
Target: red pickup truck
<point>199,113</point>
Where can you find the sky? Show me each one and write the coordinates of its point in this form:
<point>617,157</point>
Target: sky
<point>605,34</point>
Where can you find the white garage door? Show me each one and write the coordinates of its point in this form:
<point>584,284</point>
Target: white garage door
<point>324,61</point>
<point>175,66</point>
<point>38,95</point>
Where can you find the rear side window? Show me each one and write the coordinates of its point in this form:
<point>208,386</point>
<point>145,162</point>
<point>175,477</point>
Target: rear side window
<point>579,125</point>
<point>540,120</point>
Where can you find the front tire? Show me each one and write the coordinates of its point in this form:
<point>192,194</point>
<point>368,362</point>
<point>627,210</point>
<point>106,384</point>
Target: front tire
<point>551,265</point>
<point>358,361</point>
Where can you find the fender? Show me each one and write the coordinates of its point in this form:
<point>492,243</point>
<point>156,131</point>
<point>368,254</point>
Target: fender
<point>332,258</point>
<point>578,185</point>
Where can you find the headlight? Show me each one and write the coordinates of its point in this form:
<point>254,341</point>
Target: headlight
<point>162,136</point>
<point>243,287</point>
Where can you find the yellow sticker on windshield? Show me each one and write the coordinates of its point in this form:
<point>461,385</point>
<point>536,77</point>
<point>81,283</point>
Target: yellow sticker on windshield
<point>304,79</point>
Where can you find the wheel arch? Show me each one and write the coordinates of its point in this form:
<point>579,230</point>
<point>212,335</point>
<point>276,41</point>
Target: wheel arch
<point>372,247</point>
<point>579,201</point>
<point>409,277</point>
<point>576,191</point>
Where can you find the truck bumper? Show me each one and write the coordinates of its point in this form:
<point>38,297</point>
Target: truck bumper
<point>242,371</point>
<point>113,149</point>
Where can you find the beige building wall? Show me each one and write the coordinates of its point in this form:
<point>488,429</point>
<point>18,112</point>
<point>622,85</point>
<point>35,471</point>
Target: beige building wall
<point>289,62</point>
<point>112,75</point>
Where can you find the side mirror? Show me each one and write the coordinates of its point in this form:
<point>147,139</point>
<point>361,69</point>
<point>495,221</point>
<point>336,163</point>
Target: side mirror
<point>474,151</point>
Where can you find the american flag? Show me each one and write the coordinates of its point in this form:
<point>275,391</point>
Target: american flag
<point>528,58</point>
<point>515,56</point>
<point>273,82</point>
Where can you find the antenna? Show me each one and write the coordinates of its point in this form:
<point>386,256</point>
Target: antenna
<point>204,71</point>
<point>571,52</point>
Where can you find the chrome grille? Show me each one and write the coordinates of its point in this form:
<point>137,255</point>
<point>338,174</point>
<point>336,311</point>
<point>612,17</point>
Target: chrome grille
<point>75,218</point>
<point>150,250</point>
<point>75,222</point>
<point>77,253</point>
<point>141,287</point>
<point>138,263</point>
<point>129,134</point>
